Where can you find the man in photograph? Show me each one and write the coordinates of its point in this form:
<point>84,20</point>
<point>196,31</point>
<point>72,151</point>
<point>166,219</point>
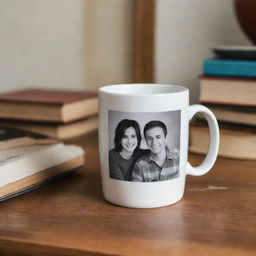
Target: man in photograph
<point>160,163</point>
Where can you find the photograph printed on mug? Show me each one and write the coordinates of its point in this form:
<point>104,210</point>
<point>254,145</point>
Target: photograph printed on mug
<point>144,146</point>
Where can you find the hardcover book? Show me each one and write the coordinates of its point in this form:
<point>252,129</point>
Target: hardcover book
<point>59,130</point>
<point>233,114</point>
<point>48,105</point>
<point>238,142</point>
<point>235,52</point>
<point>230,68</point>
<point>228,91</point>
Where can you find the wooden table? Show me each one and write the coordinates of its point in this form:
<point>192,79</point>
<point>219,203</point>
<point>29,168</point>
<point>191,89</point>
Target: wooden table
<point>217,216</point>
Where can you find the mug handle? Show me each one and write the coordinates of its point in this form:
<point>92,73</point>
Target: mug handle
<point>211,156</point>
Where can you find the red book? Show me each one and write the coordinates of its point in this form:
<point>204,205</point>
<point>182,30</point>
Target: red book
<point>59,106</point>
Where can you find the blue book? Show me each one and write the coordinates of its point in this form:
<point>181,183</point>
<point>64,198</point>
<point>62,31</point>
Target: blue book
<point>231,68</point>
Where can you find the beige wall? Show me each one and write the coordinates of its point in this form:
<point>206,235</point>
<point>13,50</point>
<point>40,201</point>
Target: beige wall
<point>83,44</point>
<point>65,43</point>
<point>186,31</point>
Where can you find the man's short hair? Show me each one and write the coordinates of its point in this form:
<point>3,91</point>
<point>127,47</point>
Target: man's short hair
<point>154,124</point>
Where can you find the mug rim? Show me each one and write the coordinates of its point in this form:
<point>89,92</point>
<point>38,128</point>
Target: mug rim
<point>138,89</point>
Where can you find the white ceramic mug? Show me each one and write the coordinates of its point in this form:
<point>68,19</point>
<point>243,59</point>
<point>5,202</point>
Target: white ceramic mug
<point>143,141</point>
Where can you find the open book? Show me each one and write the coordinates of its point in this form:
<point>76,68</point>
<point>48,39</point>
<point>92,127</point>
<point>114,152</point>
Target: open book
<point>25,168</point>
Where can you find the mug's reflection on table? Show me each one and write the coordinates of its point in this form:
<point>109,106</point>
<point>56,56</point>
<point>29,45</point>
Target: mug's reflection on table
<point>70,216</point>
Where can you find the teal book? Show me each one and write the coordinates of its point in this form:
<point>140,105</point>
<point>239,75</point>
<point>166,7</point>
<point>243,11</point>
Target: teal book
<point>229,68</point>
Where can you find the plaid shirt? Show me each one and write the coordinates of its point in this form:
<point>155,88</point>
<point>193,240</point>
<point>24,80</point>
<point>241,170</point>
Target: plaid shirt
<point>147,170</point>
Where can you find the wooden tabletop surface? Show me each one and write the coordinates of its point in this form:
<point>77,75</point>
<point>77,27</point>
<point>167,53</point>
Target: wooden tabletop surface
<point>217,216</point>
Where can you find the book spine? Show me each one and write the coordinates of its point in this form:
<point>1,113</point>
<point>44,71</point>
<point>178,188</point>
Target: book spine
<point>229,68</point>
<point>226,103</point>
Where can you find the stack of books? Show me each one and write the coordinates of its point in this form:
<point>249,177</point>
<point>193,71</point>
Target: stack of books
<point>228,88</point>
<point>58,114</point>
<point>33,124</point>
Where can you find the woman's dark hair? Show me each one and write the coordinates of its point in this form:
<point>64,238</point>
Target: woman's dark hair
<point>120,130</point>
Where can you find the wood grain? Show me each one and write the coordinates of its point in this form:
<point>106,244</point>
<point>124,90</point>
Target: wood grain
<point>217,216</point>
<point>144,26</point>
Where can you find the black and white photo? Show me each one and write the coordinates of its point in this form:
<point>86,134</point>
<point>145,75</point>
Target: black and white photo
<point>144,147</point>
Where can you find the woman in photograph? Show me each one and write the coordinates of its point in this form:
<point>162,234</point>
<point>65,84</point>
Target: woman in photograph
<point>126,151</point>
